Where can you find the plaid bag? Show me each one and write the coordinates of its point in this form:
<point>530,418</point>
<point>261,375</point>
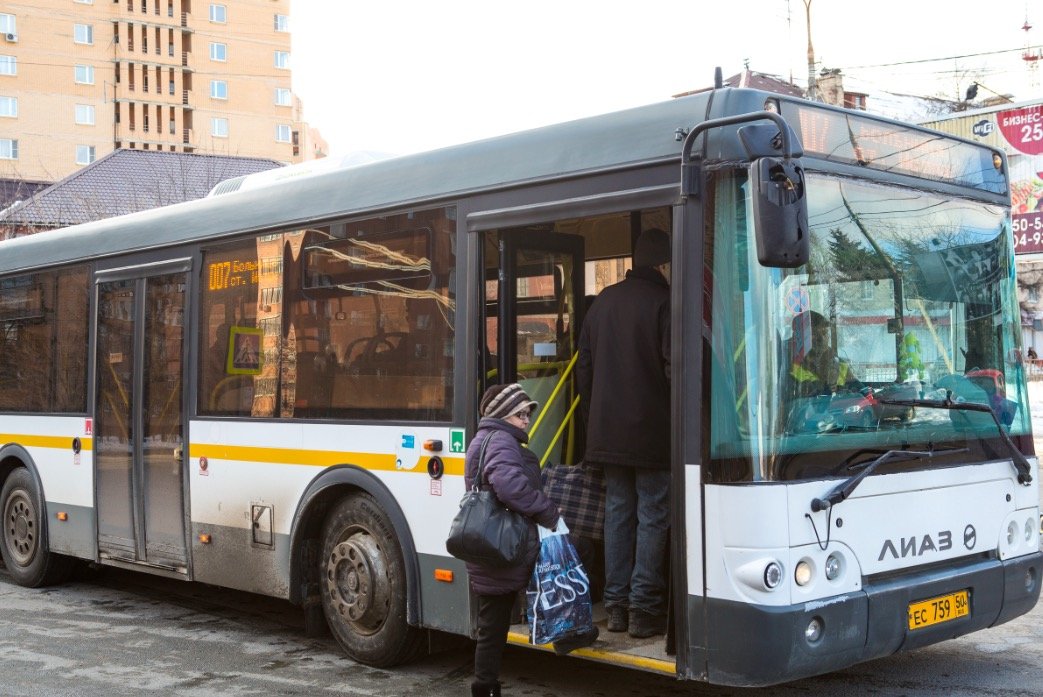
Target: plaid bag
<point>579,493</point>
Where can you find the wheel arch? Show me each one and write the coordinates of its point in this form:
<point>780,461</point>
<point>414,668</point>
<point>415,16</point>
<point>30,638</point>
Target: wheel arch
<point>330,486</point>
<point>13,456</point>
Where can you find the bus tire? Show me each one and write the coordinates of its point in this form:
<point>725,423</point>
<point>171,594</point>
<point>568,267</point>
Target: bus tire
<point>23,543</point>
<point>362,580</point>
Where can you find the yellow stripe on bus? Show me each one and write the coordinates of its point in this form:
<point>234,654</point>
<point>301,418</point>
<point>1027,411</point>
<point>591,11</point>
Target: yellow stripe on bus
<point>653,665</point>
<point>313,458</point>
<point>61,442</point>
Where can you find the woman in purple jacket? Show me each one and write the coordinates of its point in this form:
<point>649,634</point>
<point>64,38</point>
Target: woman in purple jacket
<point>513,473</point>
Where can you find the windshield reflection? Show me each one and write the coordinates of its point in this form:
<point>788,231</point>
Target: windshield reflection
<point>907,296</point>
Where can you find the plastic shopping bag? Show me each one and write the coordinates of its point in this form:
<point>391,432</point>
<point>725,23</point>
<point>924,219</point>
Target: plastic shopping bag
<point>558,598</point>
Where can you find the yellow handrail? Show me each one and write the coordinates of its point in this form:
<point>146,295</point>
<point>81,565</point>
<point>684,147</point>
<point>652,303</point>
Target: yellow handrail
<point>561,428</point>
<point>554,393</point>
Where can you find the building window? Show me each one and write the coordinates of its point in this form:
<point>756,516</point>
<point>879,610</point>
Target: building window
<point>83,34</point>
<point>7,24</point>
<point>9,107</point>
<point>8,149</point>
<point>282,23</point>
<point>219,127</point>
<point>282,59</point>
<point>282,96</point>
<point>84,154</point>
<point>84,74</point>
<point>218,89</point>
<point>218,52</point>
<point>218,13</point>
<point>282,133</point>
<point>85,114</point>
<point>8,65</point>
<point>85,2</point>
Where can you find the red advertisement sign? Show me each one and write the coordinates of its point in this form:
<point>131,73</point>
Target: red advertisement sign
<point>1028,232</point>
<point>1023,128</point>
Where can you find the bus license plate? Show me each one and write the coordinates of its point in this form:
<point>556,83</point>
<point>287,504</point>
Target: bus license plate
<point>941,609</point>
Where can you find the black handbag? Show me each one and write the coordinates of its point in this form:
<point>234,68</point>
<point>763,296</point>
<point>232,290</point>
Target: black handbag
<point>484,531</point>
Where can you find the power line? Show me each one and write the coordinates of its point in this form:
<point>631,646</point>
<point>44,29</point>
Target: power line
<point>947,58</point>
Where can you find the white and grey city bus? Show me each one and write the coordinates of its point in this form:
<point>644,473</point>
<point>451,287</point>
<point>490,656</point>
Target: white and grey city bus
<point>271,389</point>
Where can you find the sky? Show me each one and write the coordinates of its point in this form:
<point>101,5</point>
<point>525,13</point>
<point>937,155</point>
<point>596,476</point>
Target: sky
<point>400,76</point>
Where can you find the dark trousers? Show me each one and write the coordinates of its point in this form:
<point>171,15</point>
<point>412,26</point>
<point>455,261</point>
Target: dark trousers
<point>494,619</point>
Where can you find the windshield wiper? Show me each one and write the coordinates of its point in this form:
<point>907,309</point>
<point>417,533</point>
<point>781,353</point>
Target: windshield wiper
<point>845,488</point>
<point>1017,459</point>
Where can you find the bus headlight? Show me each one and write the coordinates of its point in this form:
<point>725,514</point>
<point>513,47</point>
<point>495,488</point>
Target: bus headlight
<point>1012,532</point>
<point>802,574</point>
<point>833,567</point>
<point>1028,530</point>
<point>772,575</point>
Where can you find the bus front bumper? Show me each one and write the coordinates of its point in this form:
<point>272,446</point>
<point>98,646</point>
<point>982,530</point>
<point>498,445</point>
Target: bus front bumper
<point>743,644</point>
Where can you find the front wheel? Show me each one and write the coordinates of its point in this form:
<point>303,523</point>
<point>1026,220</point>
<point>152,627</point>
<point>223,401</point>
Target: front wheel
<point>23,543</point>
<point>363,584</point>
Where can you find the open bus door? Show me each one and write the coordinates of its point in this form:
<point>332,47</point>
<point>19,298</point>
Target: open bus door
<point>536,309</point>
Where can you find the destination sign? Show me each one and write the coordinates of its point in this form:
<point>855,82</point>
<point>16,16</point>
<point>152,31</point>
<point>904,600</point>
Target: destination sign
<point>235,273</point>
<point>880,145</point>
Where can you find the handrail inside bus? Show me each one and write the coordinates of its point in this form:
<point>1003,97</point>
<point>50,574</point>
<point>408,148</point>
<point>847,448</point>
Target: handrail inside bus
<point>557,434</point>
<point>554,393</point>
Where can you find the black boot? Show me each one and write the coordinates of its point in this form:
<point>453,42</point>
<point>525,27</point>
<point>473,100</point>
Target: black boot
<point>485,689</point>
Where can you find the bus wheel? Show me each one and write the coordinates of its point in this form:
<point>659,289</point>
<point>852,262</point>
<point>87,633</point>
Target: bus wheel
<point>24,544</point>
<point>363,584</point>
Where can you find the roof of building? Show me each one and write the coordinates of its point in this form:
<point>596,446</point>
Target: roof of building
<point>14,190</point>
<point>757,81</point>
<point>127,181</point>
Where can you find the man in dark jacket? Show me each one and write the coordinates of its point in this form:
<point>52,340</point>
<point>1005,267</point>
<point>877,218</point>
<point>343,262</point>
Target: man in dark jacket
<point>624,382</point>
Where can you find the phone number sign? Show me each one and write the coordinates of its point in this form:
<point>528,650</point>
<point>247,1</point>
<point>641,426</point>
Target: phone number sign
<point>1028,233</point>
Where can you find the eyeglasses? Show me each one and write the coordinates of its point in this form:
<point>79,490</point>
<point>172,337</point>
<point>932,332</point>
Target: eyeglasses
<point>527,415</point>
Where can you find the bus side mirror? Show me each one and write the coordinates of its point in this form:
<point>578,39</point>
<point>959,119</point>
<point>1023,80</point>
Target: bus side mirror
<point>780,212</point>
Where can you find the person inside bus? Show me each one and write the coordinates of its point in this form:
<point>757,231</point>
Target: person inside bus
<point>815,367</point>
<point>513,473</point>
<point>623,372</point>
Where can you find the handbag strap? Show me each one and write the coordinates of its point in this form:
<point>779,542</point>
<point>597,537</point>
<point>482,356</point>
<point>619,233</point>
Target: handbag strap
<point>477,484</point>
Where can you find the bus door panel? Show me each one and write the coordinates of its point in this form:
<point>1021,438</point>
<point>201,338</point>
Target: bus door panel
<point>139,424</point>
<point>541,286</point>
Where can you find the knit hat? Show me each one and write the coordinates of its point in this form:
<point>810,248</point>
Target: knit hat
<point>652,248</point>
<point>501,401</point>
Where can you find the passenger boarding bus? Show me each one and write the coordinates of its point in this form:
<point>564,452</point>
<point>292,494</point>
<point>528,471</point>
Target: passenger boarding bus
<point>271,389</point>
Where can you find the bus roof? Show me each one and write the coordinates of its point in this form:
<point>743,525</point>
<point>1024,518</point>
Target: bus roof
<point>619,140</point>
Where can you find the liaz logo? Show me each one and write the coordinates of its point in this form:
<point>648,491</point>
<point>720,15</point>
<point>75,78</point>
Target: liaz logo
<point>919,545</point>
<point>983,128</point>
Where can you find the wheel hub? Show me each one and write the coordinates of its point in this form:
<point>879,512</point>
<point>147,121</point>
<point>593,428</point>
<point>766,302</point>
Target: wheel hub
<point>357,579</point>
<point>20,527</point>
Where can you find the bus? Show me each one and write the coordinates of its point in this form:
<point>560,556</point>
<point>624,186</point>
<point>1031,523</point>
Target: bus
<point>271,389</point>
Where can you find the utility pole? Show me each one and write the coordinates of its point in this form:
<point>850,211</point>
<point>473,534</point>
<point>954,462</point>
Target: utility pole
<point>812,92</point>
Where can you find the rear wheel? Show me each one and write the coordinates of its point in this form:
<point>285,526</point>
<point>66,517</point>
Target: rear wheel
<point>363,584</point>
<point>23,543</point>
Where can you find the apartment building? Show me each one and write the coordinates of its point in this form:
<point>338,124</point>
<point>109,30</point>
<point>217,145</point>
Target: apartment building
<point>80,78</point>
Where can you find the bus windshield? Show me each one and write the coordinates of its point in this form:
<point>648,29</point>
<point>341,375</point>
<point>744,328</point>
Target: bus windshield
<point>908,295</point>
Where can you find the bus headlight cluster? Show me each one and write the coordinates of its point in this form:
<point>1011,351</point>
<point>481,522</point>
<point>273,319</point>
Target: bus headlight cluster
<point>1012,532</point>
<point>1028,530</point>
<point>804,572</point>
